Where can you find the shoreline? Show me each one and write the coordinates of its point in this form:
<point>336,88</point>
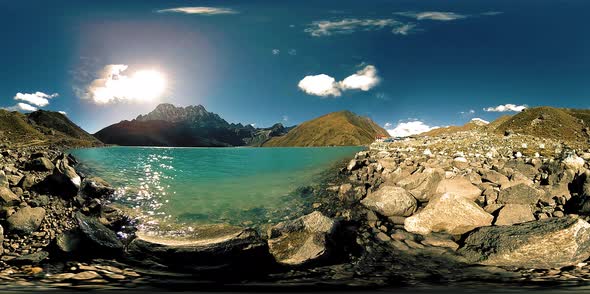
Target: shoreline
<point>358,247</point>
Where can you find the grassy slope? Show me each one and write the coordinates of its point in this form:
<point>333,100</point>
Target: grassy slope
<point>342,128</point>
<point>548,122</point>
<point>14,129</point>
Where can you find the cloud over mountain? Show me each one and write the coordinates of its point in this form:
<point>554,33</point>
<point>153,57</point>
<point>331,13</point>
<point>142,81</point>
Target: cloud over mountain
<point>506,108</point>
<point>405,129</point>
<point>38,98</point>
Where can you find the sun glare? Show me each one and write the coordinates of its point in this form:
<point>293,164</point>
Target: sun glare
<point>148,84</point>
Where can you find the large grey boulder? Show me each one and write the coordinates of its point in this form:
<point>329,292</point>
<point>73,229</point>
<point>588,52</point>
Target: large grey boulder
<point>40,164</point>
<point>519,194</point>
<point>458,186</point>
<point>448,213</point>
<point>7,197</point>
<point>511,214</point>
<point>101,238</point>
<point>206,247</point>
<point>26,220</point>
<point>96,187</point>
<point>423,185</point>
<point>549,243</point>
<point>302,240</point>
<point>391,201</point>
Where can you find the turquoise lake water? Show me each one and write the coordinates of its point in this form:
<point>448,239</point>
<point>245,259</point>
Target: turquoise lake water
<point>211,185</point>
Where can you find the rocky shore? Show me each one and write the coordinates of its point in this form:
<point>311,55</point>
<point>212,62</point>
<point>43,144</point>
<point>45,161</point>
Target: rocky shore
<point>461,208</point>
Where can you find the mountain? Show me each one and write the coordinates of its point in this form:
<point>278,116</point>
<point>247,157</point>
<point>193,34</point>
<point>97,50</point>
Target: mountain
<point>549,122</point>
<point>474,124</point>
<point>342,128</point>
<point>168,125</point>
<point>42,128</point>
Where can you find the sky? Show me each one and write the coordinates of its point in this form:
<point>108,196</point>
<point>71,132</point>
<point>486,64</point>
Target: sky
<point>408,65</point>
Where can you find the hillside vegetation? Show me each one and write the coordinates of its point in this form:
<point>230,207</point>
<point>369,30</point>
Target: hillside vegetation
<point>342,128</point>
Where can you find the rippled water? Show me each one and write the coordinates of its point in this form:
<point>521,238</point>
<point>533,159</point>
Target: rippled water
<point>211,185</point>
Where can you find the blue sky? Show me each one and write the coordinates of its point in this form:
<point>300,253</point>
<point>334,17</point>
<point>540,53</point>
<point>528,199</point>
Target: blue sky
<point>432,63</point>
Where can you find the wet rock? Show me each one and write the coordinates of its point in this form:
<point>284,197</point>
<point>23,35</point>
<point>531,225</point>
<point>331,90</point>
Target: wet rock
<point>26,220</point>
<point>40,164</point>
<point>102,238</point>
<point>391,201</point>
<point>303,240</point>
<point>7,198</point>
<point>96,188</point>
<point>549,243</point>
<point>448,213</point>
<point>511,214</point>
<point>459,186</point>
<point>207,246</point>
<point>519,194</point>
<point>33,258</point>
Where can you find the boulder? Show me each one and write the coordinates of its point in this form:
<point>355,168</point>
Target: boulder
<point>27,182</point>
<point>303,240</point>
<point>29,259</point>
<point>494,177</point>
<point>448,213</point>
<point>519,194</point>
<point>102,239</point>
<point>7,198</point>
<point>423,185</point>
<point>549,243</point>
<point>26,220</point>
<point>458,186</point>
<point>3,179</point>
<point>391,201</point>
<point>96,188</point>
<point>64,180</point>
<point>68,242</point>
<point>40,164</point>
<point>205,247</point>
<point>574,162</point>
<point>511,214</point>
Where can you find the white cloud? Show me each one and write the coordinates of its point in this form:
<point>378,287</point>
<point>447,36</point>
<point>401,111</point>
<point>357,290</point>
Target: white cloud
<point>38,98</point>
<point>364,79</point>
<point>200,10</point>
<point>506,107</point>
<point>292,52</point>
<point>276,51</point>
<point>63,112</point>
<point>324,85</point>
<point>405,129</point>
<point>348,26</point>
<point>285,118</point>
<point>113,85</point>
<point>405,29</point>
<point>433,15</point>
<point>21,107</point>
<point>320,85</point>
<point>492,13</point>
<point>388,125</point>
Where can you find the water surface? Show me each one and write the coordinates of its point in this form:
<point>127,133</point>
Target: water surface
<point>211,185</point>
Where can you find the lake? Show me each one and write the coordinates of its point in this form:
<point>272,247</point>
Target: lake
<point>187,186</point>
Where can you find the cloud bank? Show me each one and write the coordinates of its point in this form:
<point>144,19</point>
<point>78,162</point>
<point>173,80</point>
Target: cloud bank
<point>506,108</point>
<point>405,129</point>
<point>432,15</point>
<point>324,85</point>
<point>348,26</point>
<point>21,107</point>
<point>199,10</point>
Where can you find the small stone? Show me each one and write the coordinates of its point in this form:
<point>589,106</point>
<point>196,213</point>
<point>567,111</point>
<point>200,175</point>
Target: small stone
<point>88,275</point>
<point>383,237</point>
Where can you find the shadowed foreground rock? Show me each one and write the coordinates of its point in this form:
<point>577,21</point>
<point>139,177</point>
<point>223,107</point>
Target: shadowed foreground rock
<point>207,247</point>
<point>550,243</point>
<point>302,240</point>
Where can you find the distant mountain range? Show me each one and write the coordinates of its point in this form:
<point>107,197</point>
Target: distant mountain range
<point>342,128</point>
<point>42,128</point>
<point>168,125</point>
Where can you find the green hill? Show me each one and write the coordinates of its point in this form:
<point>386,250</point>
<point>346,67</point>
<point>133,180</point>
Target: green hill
<point>42,128</point>
<point>549,122</point>
<point>342,128</point>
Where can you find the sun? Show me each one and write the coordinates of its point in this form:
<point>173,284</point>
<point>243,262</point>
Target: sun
<point>147,84</point>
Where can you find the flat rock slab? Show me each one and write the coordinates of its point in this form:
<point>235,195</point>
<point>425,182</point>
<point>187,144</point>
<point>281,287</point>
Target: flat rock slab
<point>302,240</point>
<point>511,214</point>
<point>520,194</point>
<point>391,201</point>
<point>550,243</point>
<point>97,234</point>
<point>459,186</point>
<point>448,213</point>
<point>206,245</point>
